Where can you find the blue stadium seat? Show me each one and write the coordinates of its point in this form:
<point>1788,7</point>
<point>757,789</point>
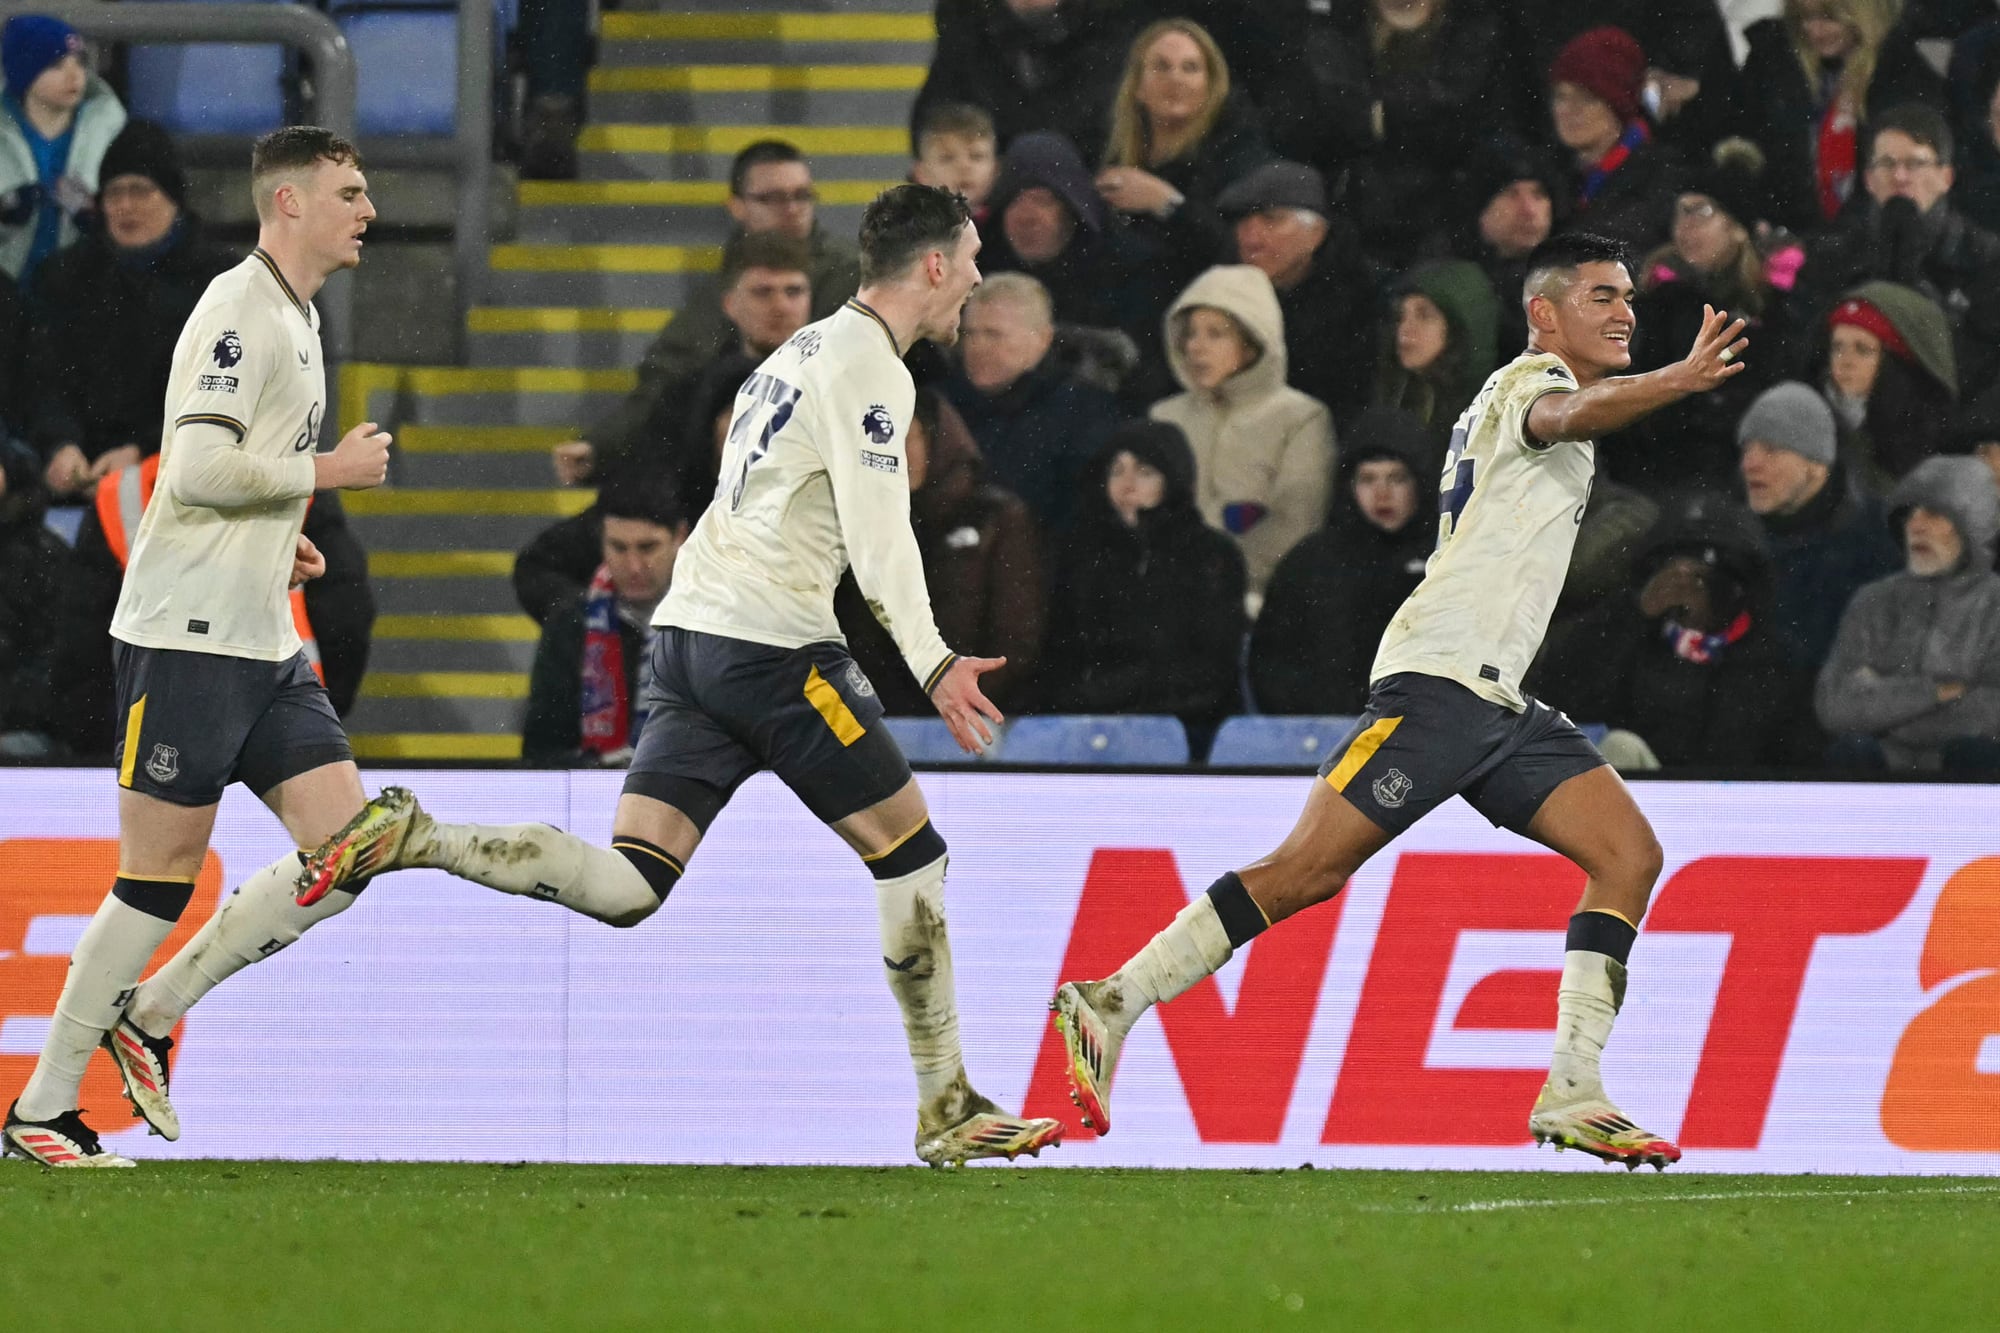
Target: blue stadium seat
<point>1269,741</point>
<point>204,88</point>
<point>406,61</point>
<point>927,740</point>
<point>1593,731</point>
<point>1109,740</point>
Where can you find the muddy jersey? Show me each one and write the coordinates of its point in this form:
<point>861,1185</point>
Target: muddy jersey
<point>1509,507</point>
<point>814,478</point>
<point>213,577</point>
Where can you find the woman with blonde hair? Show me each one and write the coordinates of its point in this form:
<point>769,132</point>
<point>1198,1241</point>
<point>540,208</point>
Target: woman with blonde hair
<point>1812,80</point>
<point>1179,137</point>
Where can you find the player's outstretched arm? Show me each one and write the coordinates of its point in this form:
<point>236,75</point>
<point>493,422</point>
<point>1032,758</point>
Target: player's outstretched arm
<point>963,706</point>
<point>1614,403</point>
<point>359,461</point>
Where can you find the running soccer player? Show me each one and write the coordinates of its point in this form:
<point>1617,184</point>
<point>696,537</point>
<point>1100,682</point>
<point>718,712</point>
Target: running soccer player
<point>1446,715</point>
<point>213,684</point>
<point>749,670</point>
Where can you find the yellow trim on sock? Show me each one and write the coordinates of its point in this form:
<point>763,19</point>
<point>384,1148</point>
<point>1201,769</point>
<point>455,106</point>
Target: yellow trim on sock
<point>133,717</point>
<point>1358,754</point>
<point>826,701</point>
<point>876,856</point>
<point>1612,911</point>
<point>158,879</point>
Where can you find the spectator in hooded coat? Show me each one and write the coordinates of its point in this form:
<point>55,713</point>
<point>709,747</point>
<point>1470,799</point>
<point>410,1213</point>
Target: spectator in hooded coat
<point>1891,378</point>
<point>1439,346</point>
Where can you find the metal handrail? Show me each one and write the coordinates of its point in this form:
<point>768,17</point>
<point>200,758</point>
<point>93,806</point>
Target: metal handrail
<point>303,29</point>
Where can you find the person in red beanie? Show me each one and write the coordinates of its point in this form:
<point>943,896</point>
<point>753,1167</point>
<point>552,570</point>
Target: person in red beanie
<point>1891,379</point>
<point>1621,181</point>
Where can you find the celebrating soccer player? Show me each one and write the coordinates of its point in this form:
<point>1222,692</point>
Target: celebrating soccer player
<point>1446,715</point>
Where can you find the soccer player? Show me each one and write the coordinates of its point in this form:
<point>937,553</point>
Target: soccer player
<point>749,670</point>
<point>1446,715</point>
<point>213,684</point>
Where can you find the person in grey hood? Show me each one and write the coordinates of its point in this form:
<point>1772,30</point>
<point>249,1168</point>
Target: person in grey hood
<point>1913,683</point>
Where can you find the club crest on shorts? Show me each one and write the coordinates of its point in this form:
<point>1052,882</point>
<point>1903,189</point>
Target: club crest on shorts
<point>877,424</point>
<point>1392,789</point>
<point>857,680</point>
<point>164,764</point>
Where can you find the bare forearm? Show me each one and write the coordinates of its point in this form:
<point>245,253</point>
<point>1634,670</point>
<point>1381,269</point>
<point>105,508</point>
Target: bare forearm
<point>1608,405</point>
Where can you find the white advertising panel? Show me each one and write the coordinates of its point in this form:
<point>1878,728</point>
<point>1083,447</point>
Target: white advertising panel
<point>1817,987</point>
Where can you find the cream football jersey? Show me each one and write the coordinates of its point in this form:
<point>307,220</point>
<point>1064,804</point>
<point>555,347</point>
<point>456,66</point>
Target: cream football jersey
<point>814,478</point>
<point>1508,514</point>
<point>215,579</point>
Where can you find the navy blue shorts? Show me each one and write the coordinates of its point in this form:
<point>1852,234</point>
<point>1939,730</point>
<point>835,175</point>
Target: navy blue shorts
<point>191,723</point>
<point>719,709</point>
<point>1425,739</point>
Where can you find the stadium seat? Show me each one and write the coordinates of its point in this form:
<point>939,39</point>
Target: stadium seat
<point>927,740</point>
<point>205,88</point>
<point>1268,741</point>
<point>1109,740</point>
<point>1593,731</point>
<point>406,63</point>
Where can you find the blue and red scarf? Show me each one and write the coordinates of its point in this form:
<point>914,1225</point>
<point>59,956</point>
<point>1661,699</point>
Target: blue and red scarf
<point>606,697</point>
<point>1636,136</point>
<point>1699,646</point>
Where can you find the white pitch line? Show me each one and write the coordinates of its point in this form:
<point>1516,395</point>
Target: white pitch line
<point>1501,1205</point>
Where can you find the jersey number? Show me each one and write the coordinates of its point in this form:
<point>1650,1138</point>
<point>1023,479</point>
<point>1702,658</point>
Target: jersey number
<point>764,417</point>
<point>1456,488</point>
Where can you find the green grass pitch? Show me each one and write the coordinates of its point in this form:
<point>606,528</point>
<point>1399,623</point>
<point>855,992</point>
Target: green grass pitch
<point>261,1245</point>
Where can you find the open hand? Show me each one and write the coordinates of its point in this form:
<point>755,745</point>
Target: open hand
<point>963,707</point>
<point>1716,355</point>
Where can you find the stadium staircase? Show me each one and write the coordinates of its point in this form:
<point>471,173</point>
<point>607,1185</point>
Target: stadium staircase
<point>598,266</point>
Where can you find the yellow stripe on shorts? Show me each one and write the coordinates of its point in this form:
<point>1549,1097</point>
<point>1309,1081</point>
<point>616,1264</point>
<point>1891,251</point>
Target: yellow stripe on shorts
<point>1364,748</point>
<point>847,728</point>
<point>135,715</point>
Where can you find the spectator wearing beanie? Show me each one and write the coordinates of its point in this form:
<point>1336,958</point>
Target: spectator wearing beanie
<point>108,311</point>
<point>1913,683</point>
<point>1620,180</point>
<point>1826,539</point>
<point>59,119</point>
<point>1522,198</point>
<point>1891,378</point>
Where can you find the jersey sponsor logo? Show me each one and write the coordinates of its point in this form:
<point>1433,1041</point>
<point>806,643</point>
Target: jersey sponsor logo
<point>217,383</point>
<point>880,462</point>
<point>1392,789</point>
<point>308,435</point>
<point>197,627</point>
<point>877,424</point>
<point>857,680</point>
<point>228,349</point>
<point>304,360</point>
<point>163,765</point>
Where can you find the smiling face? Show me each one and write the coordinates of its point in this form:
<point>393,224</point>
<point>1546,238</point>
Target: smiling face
<point>1589,319</point>
<point>1213,347</point>
<point>1173,80</point>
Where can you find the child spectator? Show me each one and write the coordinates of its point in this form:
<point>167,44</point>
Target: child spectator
<point>957,151</point>
<point>59,120</point>
<point>1263,451</point>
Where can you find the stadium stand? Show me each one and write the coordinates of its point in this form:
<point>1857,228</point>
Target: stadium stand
<point>1270,741</point>
<point>1111,741</point>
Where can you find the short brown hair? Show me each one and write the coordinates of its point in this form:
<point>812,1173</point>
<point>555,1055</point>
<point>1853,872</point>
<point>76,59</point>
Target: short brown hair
<point>960,118</point>
<point>765,249</point>
<point>291,149</point>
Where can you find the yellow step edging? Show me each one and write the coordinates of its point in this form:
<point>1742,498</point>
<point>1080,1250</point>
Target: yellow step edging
<point>755,78</point>
<point>606,258</point>
<point>435,745</point>
<point>490,503</point>
<point>671,194</point>
<point>623,26</point>
<point>566,319</point>
<point>482,439</point>
<point>441,381</point>
<point>445,685</point>
<point>474,628</point>
<point>815,141</point>
<point>440,565</point>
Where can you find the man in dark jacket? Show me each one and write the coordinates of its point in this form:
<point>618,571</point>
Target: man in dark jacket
<point>108,311</point>
<point>1826,539</point>
<point>1522,199</point>
<point>982,563</point>
<point>31,565</point>
<point>1333,595</point>
<point>1032,64</point>
<point>584,690</point>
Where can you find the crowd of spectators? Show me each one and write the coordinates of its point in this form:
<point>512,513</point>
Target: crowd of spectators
<point>1247,264</point>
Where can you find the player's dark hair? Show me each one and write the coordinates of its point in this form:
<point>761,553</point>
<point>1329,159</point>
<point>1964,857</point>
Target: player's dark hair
<point>904,223</point>
<point>635,494</point>
<point>765,249</point>
<point>1923,124</point>
<point>758,154</point>
<point>297,146</point>
<point>960,118</point>
<point>1565,253</point>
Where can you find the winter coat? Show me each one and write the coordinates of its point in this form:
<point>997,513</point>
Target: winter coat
<point>1440,394</point>
<point>99,117</point>
<point>1146,619</point>
<point>1634,202</point>
<point>32,562</point>
<point>1746,707</point>
<point>1056,71</point>
<point>1038,436</point>
<point>1329,343</point>
<point>983,565</point>
<point>1684,37</point>
<point>105,327</point>
<point>1906,635</point>
<point>17,387</point>
<point>1908,409</point>
<point>552,730</point>
<point>557,563</point>
<point>1335,592</point>
<point>1822,555</point>
<point>1264,452</point>
<point>1194,235</point>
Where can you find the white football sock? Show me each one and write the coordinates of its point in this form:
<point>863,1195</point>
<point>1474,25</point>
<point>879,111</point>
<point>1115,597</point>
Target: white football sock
<point>1587,1003</point>
<point>1193,945</point>
<point>109,957</point>
<point>916,958</point>
<point>537,861</point>
<point>260,918</point>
